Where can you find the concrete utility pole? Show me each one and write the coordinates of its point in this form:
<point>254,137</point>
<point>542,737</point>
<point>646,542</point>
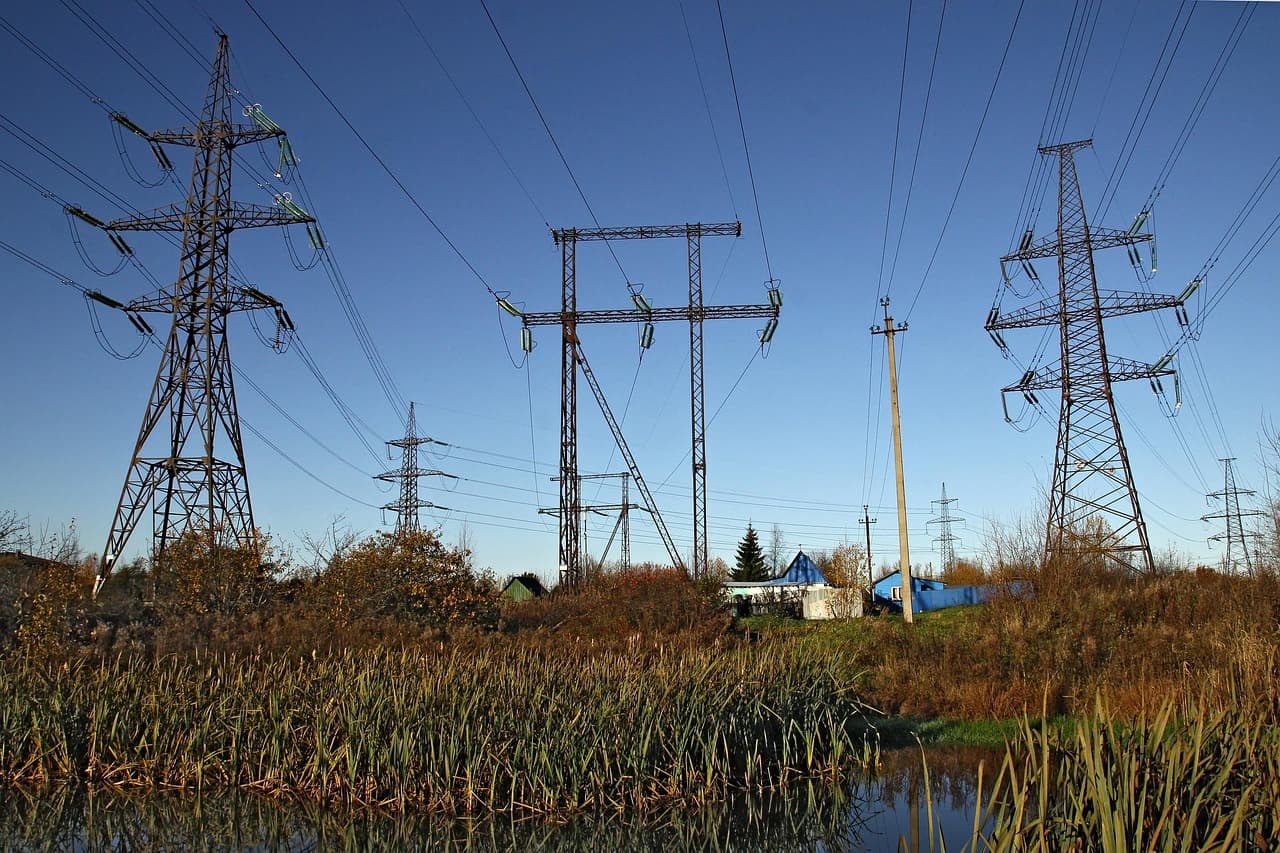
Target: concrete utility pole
<point>904,551</point>
<point>866,521</point>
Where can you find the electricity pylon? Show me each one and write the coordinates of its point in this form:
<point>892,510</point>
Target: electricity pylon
<point>407,475</point>
<point>1237,547</point>
<point>946,540</point>
<point>571,356</point>
<point>623,523</point>
<point>187,485</point>
<point>1091,475</point>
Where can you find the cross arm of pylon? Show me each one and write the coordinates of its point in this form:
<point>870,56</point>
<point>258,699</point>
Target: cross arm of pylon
<point>1112,303</point>
<point>1076,241</point>
<point>646,232</point>
<point>1120,369</point>
<point>240,215</point>
<point>235,134</point>
<point>635,315</point>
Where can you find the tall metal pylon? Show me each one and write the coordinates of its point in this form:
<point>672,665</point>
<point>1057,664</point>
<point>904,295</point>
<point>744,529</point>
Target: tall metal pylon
<point>571,357</point>
<point>1092,481</point>
<point>946,540</point>
<point>407,475</point>
<point>187,485</point>
<point>1236,554</point>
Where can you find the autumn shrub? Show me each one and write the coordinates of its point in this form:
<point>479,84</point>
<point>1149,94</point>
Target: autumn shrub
<point>649,601</point>
<point>411,576</point>
<point>37,603</point>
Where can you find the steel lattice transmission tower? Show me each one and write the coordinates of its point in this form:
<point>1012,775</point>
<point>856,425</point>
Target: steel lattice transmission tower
<point>1237,547</point>
<point>185,481</point>
<point>407,475</point>
<point>946,540</point>
<point>572,357</point>
<point>1092,481</point>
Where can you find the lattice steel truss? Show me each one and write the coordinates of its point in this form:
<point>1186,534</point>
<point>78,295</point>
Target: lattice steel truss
<point>407,475</point>
<point>1092,480</point>
<point>568,318</point>
<point>946,540</point>
<point>1236,554</point>
<point>188,485</point>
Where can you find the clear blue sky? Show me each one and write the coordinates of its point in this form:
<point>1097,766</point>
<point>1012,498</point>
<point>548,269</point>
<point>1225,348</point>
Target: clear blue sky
<point>803,441</point>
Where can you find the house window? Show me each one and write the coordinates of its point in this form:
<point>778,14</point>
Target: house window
<point>896,593</point>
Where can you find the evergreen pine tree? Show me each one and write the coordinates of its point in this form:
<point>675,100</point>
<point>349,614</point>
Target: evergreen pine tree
<point>750,561</point>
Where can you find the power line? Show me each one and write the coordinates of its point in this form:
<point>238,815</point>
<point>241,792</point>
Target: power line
<point>915,159</point>
<point>893,163</point>
<point>547,127</point>
<point>964,173</point>
<point>706,102</point>
<point>373,153</point>
<point>467,103</point>
<point>733,80</point>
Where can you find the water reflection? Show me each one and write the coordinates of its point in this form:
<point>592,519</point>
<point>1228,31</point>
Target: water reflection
<point>864,814</point>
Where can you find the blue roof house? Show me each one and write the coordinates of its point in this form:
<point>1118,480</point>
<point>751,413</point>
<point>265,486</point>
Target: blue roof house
<point>802,570</point>
<point>802,587</point>
<point>888,591</point>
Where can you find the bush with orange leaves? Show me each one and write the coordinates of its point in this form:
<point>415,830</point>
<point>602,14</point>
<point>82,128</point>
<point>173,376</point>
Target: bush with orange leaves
<point>647,600</point>
<point>412,576</point>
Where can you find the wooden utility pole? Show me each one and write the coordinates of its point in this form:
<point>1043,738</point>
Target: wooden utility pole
<point>866,521</point>
<point>904,552</point>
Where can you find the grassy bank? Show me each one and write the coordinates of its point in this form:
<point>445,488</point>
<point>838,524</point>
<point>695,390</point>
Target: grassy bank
<point>462,730</point>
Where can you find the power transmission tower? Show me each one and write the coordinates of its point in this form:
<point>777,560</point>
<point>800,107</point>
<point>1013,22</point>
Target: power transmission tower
<point>571,356</point>
<point>407,475</point>
<point>1237,547</point>
<point>866,521</point>
<point>187,485</point>
<point>904,550</point>
<point>623,523</point>
<point>1091,475</point>
<point>945,539</point>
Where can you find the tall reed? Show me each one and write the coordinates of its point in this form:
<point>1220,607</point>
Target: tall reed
<point>507,728</point>
<point>1170,780</point>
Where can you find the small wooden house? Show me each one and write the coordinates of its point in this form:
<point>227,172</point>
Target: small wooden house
<point>523,588</point>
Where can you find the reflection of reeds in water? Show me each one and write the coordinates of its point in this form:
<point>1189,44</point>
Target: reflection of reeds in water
<point>811,816</point>
<point>516,729</point>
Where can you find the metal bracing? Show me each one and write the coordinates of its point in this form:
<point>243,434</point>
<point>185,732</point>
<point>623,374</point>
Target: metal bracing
<point>188,485</point>
<point>569,318</point>
<point>1093,503</point>
<point>408,503</point>
<point>649,503</point>
<point>697,402</point>
<point>570,486</point>
<point>1236,554</point>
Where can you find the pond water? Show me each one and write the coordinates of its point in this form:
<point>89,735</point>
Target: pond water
<point>868,814</point>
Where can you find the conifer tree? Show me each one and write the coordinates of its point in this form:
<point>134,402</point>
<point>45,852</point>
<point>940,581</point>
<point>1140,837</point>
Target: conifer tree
<point>750,565</point>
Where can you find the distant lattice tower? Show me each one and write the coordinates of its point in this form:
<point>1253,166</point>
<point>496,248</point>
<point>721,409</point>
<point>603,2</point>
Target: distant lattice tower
<point>946,540</point>
<point>407,475</point>
<point>1236,554</point>
<point>189,481</point>
<point>1093,492</point>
